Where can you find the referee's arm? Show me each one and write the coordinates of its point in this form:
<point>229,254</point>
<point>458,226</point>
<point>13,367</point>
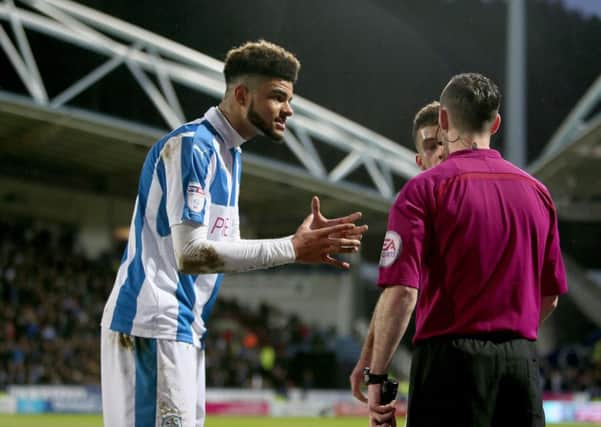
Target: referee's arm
<point>553,280</point>
<point>391,319</point>
<point>547,306</point>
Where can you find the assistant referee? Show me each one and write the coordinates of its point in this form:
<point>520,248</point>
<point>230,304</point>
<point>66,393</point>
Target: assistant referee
<point>474,244</point>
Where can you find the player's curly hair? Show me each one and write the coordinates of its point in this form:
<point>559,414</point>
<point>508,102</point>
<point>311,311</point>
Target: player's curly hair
<point>261,58</point>
<point>427,116</point>
<point>472,100</point>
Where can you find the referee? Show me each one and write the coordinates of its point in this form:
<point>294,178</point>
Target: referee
<point>473,244</point>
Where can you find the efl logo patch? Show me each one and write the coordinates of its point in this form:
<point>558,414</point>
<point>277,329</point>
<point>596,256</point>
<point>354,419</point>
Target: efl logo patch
<point>196,196</point>
<point>391,248</point>
<point>171,421</point>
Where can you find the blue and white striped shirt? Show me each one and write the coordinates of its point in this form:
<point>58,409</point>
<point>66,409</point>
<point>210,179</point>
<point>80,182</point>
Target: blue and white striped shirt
<point>192,174</point>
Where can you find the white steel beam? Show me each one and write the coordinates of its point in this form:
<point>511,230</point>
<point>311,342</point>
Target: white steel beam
<point>346,166</point>
<point>147,55</point>
<point>18,64</point>
<point>155,96</point>
<point>86,81</point>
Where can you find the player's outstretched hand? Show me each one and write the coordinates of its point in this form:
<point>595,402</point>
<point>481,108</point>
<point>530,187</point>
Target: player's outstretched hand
<point>379,415</point>
<point>356,380</point>
<point>317,246</point>
<point>320,221</point>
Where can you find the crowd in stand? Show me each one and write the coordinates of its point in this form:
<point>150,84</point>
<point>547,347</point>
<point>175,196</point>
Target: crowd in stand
<point>574,368</point>
<point>52,302</point>
<point>53,297</point>
<point>266,349</point>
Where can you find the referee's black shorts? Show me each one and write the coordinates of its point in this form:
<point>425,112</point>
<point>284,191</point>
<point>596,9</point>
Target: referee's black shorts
<point>483,381</point>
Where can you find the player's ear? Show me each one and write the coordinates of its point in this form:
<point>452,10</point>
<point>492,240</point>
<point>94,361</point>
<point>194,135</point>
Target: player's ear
<point>443,118</point>
<point>496,124</point>
<point>419,162</point>
<point>241,95</point>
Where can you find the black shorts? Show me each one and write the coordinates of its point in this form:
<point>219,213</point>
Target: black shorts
<point>487,381</point>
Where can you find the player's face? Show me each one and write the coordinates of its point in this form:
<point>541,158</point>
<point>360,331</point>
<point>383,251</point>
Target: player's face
<point>431,147</point>
<point>270,106</point>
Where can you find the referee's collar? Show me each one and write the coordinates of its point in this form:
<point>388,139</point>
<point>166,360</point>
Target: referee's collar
<point>228,134</point>
<point>478,152</point>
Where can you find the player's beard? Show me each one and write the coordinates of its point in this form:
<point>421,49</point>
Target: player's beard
<point>261,124</point>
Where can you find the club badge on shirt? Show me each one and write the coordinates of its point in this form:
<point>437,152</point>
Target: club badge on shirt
<point>196,196</point>
<point>171,421</point>
<point>390,249</point>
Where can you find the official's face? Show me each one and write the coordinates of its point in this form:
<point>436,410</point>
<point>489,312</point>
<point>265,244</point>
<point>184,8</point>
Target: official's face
<point>431,150</point>
<point>270,106</point>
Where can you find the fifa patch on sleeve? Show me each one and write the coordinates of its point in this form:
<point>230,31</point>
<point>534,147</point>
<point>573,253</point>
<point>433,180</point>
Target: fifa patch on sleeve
<point>390,249</point>
<point>196,197</point>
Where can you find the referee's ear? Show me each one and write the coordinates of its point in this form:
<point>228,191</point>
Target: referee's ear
<point>496,124</point>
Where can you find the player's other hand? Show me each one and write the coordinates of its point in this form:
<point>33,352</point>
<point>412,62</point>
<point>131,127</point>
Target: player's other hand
<point>379,415</point>
<point>319,221</point>
<point>317,246</point>
<point>356,380</point>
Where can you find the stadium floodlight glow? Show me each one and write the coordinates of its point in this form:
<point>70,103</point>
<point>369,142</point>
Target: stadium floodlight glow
<point>156,63</point>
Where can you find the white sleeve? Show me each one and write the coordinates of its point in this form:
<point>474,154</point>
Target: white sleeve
<point>197,255</point>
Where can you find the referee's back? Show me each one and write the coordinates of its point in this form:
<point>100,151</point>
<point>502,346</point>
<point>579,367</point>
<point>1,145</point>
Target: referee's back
<point>493,249</point>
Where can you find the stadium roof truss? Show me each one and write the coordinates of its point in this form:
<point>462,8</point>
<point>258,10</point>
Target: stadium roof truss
<point>570,164</point>
<point>156,63</point>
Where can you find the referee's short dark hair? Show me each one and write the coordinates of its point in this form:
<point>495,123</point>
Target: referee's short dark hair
<point>426,116</point>
<point>472,100</point>
<point>261,58</point>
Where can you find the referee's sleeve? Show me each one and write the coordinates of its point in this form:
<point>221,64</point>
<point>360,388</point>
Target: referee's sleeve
<point>402,251</point>
<point>554,280</point>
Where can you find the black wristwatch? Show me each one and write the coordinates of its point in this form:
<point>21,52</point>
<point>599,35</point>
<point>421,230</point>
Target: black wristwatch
<point>369,378</point>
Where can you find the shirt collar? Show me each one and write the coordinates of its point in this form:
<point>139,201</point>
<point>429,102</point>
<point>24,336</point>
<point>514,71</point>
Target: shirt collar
<point>228,134</point>
<point>477,152</point>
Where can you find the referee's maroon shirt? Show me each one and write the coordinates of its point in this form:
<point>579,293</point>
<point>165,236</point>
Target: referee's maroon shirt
<point>478,237</point>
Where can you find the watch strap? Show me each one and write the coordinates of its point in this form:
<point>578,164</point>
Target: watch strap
<point>370,378</point>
